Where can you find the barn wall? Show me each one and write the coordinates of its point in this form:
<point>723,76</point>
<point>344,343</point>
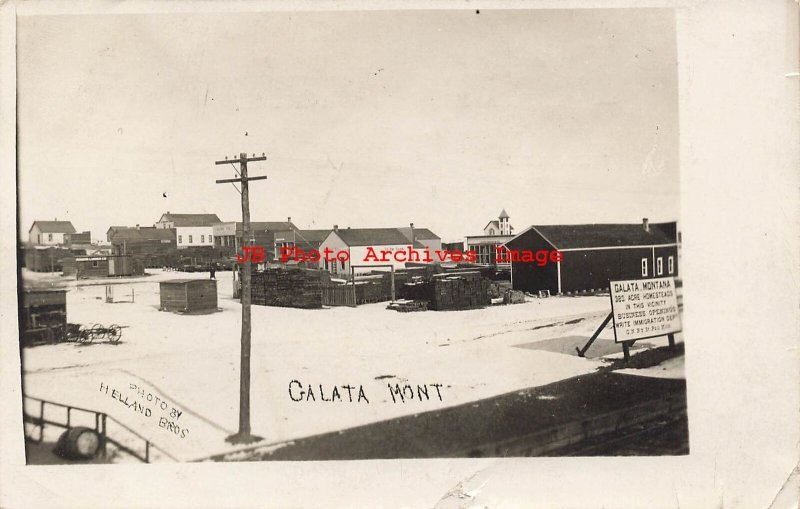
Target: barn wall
<point>530,277</point>
<point>592,269</point>
<point>664,253</point>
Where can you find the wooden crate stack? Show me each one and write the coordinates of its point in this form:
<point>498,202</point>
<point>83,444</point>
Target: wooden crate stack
<point>297,288</point>
<point>465,290</point>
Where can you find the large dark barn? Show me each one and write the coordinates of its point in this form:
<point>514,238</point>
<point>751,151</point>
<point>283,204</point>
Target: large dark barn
<point>593,254</point>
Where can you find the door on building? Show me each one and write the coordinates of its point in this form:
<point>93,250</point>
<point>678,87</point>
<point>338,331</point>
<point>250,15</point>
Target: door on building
<point>111,270</point>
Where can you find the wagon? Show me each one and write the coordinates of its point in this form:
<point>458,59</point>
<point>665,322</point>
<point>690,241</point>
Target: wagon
<point>87,334</point>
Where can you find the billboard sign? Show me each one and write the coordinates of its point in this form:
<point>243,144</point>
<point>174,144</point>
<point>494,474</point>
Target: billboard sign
<point>644,308</point>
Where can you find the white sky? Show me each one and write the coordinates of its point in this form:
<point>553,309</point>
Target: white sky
<point>369,119</point>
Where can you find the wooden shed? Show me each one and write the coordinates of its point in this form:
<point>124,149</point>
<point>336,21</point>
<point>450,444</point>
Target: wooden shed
<point>189,295</point>
<point>86,267</point>
<point>43,316</point>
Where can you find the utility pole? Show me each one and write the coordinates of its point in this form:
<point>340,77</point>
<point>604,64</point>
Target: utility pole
<point>244,436</point>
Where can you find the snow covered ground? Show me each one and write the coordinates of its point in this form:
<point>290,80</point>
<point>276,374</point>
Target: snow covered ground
<point>175,378</point>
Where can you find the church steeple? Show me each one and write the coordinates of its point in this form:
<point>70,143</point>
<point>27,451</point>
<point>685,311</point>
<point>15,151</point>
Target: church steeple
<point>505,227</point>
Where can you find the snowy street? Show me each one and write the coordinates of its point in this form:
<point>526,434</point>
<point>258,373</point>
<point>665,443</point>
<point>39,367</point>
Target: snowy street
<point>175,378</point>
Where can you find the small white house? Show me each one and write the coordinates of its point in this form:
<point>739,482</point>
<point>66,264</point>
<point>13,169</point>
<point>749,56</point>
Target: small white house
<point>191,230</point>
<point>49,233</point>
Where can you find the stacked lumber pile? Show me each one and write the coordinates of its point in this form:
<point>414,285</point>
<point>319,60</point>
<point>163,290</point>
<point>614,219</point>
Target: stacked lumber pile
<point>406,306</point>
<point>296,288</point>
<point>418,289</point>
<point>465,290</point>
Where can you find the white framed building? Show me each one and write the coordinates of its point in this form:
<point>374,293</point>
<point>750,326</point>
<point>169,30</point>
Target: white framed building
<point>191,230</point>
<point>50,233</point>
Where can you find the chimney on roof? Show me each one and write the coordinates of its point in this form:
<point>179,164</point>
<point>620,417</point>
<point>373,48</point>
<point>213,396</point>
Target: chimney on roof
<point>137,226</point>
<point>336,227</point>
<point>289,219</point>
<point>646,224</point>
<point>412,235</point>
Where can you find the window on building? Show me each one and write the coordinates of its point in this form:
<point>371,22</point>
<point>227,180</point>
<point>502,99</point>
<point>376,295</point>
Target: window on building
<point>491,231</point>
<point>342,264</point>
<point>190,239</point>
<point>202,239</point>
<point>49,236</point>
<point>210,239</point>
<point>659,266</point>
<point>671,265</point>
<point>482,254</point>
<point>327,267</point>
<point>279,248</point>
<point>644,266</point>
<point>180,239</point>
<point>95,264</point>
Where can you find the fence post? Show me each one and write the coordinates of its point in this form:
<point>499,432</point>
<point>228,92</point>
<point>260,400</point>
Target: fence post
<point>147,451</point>
<point>68,411</point>
<point>41,421</point>
<point>393,297</point>
<point>103,437</point>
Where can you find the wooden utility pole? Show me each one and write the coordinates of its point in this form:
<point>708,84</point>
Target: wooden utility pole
<point>244,436</point>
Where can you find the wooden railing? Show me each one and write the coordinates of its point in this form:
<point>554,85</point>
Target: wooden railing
<point>101,421</point>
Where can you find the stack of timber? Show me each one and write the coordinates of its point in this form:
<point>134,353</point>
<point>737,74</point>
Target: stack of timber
<point>296,288</point>
<point>465,290</point>
<point>406,306</point>
<point>418,289</point>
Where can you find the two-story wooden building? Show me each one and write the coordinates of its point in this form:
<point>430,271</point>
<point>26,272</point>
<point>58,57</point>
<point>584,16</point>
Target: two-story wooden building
<point>229,236</point>
<point>594,254</point>
<point>50,233</point>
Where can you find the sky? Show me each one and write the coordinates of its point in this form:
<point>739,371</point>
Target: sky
<point>367,118</point>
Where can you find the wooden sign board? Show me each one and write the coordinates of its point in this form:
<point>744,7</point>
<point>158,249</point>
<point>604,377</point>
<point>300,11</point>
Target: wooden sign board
<point>644,308</point>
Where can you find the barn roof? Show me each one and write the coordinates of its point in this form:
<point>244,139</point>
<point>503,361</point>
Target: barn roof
<point>576,236</point>
<point>54,226</point>
<point>273,226</point>
<point>372,236</point>
<point>419,234</point>
<point>312,235</point>
<point>142,234</point>
<point>190,219</point>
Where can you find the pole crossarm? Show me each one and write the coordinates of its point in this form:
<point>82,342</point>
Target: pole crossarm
<point>241,179</point>
<point>245,159</point>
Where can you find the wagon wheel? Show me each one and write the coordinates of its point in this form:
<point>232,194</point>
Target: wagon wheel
<point>96,332</point>
<point>73,331</point>
<point>114,333</point>
<point>84,334</point>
